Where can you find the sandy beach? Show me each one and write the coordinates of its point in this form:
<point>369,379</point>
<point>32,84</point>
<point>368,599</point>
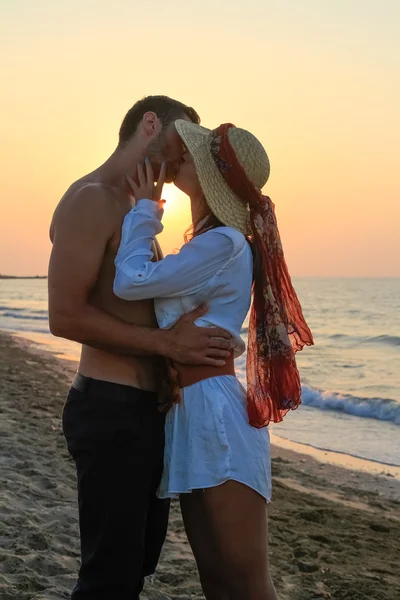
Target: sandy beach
<point>334,531</point>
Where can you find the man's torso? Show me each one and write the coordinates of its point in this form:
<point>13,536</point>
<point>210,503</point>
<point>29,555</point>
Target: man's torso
<point>138,371</point>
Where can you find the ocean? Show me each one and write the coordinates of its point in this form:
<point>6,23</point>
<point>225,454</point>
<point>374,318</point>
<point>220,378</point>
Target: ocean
<point>351,377</point>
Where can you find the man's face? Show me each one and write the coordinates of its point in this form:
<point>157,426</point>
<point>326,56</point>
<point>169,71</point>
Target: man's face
<point>168,147</point>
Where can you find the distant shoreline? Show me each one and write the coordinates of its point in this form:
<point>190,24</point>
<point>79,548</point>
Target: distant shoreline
<point>23,277</point>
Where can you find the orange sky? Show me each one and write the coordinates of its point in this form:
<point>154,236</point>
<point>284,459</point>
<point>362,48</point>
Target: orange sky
<point>317,82</point>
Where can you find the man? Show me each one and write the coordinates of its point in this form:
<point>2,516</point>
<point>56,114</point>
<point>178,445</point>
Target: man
<point>113,429</point>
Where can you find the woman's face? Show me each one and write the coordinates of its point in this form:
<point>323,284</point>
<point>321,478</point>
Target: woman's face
<point>186,179</point>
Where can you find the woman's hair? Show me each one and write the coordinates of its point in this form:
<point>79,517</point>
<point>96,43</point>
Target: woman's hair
<point>210,221</point>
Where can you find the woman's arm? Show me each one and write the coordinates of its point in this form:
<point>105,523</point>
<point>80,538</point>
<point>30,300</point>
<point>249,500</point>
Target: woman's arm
<point>138,278</point>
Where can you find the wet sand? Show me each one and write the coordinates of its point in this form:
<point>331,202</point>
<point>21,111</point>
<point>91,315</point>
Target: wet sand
<point>334,531</point>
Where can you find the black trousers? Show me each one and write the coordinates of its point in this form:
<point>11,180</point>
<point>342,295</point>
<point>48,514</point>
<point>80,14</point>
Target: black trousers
<point>116,437</point>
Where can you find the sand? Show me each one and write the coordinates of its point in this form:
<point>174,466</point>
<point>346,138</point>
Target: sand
<point>334,532</point>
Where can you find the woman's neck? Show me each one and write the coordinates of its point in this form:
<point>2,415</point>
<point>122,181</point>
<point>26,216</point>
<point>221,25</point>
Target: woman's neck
<point>198,208</point>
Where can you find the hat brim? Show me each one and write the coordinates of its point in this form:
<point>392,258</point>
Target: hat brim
<point>225,205</point>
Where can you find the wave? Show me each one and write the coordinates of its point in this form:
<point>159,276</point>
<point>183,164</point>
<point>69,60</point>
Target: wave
<point>25,316</point>
<point>382,409</point>
<point>24,328</point>
<point>23,309</point>
<point>384,339</point>
<point>389,340</point>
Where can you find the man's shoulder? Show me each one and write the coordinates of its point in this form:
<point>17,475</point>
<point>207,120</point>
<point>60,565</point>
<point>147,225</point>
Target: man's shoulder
<point>85,196</point>
<point>88,191</point>
<point>87,201</point>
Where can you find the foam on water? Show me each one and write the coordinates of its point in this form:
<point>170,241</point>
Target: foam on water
<point>382,409</point>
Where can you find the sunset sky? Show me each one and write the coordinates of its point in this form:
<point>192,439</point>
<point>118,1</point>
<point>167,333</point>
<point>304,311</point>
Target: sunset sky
<point>318,81</point>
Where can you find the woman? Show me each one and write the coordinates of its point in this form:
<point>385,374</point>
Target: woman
<point>217,453</point>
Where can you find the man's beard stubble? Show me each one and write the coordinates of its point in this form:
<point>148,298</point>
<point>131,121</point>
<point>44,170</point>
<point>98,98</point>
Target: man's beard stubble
<point>156,153</point>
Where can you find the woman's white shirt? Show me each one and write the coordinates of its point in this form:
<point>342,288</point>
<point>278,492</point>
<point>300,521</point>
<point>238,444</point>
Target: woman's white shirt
<point>213,268</point>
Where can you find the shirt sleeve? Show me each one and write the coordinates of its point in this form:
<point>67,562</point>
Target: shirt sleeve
<point>138,278</point>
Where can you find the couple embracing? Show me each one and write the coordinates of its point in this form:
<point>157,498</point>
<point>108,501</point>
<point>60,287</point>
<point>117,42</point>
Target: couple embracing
<point>156,411</point>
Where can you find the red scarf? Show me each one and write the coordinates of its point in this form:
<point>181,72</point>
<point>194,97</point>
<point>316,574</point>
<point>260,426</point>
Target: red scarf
<point>277,327</point>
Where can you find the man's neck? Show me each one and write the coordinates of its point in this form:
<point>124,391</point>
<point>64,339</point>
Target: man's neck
<point>120,163</point>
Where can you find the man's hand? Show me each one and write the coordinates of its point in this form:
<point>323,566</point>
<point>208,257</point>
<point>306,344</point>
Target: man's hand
<point>186,343</point>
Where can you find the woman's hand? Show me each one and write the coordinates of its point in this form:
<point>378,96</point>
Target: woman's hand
<point>146,186</point>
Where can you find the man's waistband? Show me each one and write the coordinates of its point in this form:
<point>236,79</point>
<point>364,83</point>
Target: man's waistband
<point>110,389</point>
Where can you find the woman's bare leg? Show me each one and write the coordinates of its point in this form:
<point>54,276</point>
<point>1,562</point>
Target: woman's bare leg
<point>237,517</point>
<point>201,539</point>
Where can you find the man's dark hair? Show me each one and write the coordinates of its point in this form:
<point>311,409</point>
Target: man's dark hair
<point>166,109</point>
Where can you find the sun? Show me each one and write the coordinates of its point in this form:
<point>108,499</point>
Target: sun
<point>177,218</point>
<point>172,196</point>
<point>177,205</point>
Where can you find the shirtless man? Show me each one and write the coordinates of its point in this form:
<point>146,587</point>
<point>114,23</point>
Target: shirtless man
<point>110,420</point>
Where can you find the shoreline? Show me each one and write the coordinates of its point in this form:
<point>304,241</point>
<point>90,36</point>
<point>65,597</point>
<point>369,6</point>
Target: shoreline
<point>35,343</point>
<point>334,533</point>
<point>338,459</point>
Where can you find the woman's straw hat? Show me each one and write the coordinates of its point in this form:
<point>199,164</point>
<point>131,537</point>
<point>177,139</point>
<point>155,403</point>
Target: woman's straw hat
<point>203,146</point>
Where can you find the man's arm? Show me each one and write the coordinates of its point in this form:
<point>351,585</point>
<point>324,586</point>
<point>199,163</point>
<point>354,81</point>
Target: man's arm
<point>82,229</point>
